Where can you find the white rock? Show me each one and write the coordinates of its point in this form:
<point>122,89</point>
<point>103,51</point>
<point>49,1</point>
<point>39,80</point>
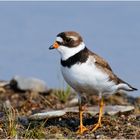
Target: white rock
<point>29,83</point>
<point>3,83</point>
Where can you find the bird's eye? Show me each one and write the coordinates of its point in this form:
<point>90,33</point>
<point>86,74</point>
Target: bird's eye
<point>68,40</point>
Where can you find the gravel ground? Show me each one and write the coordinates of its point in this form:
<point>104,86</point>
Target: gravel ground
<point>16,107</point>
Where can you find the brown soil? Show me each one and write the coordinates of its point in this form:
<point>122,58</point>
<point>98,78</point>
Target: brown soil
<point>16,107</point>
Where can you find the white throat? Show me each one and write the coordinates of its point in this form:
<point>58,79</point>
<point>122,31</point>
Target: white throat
<point>67,52</point>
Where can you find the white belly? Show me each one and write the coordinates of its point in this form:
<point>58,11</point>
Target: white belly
<point>88,78</point>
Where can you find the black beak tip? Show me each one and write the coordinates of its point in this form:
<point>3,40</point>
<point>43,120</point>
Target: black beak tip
<point>51,47</point>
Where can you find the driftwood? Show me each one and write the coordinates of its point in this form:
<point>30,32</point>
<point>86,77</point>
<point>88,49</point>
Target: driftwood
<point>111,110</point>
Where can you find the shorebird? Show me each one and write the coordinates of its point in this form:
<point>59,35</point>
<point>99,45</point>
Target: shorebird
<point>86,72</point>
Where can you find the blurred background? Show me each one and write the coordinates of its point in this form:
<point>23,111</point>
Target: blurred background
<point>27,29</point>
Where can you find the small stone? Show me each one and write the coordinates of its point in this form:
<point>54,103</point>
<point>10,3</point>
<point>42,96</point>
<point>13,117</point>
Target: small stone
<point>60,119</point>
<point>24,121</point>
<point>123,116</point>
<point>128,124</point>
<point>116,127</point>
<point>97,137</point>
<point>1,114</point>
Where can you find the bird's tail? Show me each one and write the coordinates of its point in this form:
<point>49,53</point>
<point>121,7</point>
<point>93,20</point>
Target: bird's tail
<point>126,87</point>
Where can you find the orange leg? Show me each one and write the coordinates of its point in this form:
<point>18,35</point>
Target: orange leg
<point>101,105</point>
<point>82,128</point>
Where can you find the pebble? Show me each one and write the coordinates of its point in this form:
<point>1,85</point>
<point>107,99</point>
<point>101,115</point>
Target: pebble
<point>128,124</point>
<point>1,114</point>
<point>116,127</point>
<point>23,120</point>
<point>97,137</point>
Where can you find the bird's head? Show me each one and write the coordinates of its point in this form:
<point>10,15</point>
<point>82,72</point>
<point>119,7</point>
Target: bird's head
<point>68,43</point>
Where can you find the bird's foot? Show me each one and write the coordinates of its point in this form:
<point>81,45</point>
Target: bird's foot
<point>81,129</point>
<point>96,126</point>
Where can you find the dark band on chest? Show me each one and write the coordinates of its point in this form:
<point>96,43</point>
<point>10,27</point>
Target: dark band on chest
<point>79,57</point>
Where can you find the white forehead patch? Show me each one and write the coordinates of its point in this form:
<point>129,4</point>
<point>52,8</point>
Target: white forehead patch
<point>59,39</point>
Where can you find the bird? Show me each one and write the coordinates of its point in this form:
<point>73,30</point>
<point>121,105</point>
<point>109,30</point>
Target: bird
<point>86,72</point>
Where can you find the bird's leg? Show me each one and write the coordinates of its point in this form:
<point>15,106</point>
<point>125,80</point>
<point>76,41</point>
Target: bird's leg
<point>82,128</point>
<point>98,124</point>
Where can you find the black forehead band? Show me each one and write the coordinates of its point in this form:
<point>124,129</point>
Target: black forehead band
<point>62,35</point>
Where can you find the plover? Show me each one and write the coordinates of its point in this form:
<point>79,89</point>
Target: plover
<point>86,72</point>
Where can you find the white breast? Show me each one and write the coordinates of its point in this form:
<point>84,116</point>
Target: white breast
<point>86,77</point>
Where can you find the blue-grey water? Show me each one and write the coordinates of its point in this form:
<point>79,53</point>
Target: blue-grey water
<point>27,29</point>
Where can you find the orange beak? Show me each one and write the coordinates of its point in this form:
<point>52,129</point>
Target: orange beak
<point>54,46</point>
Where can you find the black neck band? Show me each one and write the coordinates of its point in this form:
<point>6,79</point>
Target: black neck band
<point>79,57</point>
